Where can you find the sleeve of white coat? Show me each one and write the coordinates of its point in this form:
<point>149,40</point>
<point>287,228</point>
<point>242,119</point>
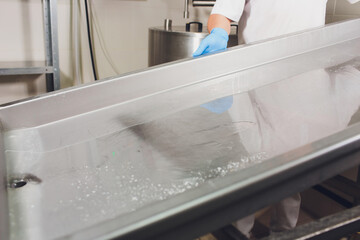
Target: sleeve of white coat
<point>353,1</point>
<point>232,9</point>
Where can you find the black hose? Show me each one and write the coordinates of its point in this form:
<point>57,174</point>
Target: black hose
<point>90,40</point>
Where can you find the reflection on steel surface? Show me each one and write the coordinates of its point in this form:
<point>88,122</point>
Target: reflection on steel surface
<point>118,173</point>
<point>106,160</point>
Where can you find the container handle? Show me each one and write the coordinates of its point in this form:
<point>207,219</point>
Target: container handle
<point>200,26</point>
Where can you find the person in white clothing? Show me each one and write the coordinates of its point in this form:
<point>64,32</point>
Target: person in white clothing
<point>260,20</point>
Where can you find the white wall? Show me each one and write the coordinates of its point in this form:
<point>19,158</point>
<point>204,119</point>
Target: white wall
<point>120,34</point>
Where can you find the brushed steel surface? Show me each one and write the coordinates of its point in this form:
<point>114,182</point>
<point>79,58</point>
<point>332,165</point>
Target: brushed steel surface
<point>4,213</point>
<point>167,46</point>
<point>133,155</point>
<point>170,45</point>
<point>124,88</point>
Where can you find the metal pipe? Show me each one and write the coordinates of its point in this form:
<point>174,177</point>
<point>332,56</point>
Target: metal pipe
<point>75,43</point>
<point>203,3</point>
<point>168,24</point>
<point>186,9</point>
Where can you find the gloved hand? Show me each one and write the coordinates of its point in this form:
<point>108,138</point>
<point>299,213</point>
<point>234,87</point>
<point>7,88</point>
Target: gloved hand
<point>215,41</point>
<point>219,105</point>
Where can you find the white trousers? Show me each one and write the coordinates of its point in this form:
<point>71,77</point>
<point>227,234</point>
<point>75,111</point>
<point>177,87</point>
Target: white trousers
<point>284,216</point>
<point>291,113</point>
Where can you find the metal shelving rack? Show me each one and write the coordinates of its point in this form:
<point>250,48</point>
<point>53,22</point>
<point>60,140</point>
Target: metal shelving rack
<point>51,65</point>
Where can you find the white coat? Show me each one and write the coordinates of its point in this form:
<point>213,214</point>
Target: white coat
<point>286,115</point>
<point>292,113</point>
<point>262,19</point>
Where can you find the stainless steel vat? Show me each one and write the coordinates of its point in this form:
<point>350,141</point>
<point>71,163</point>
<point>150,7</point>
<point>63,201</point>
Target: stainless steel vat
<point>170,43</point>
<point>106,167</point>
<point>4,213</point>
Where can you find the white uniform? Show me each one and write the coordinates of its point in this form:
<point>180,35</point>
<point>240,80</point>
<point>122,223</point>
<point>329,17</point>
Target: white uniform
<point>294,112</point>
<point>260,20</point>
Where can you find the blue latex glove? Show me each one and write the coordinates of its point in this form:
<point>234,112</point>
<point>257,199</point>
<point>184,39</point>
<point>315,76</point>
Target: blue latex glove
<point>220,105</point>
<point>215,41</point>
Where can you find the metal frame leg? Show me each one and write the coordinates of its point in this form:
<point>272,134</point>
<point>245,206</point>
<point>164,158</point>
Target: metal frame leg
<point>51,44</point>
<point>348,187</point>
<point>357,199</point>
<point>331,227</point>
<point>229,232</point>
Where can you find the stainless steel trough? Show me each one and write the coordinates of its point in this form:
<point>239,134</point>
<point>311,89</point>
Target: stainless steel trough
<point>140,156</point>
